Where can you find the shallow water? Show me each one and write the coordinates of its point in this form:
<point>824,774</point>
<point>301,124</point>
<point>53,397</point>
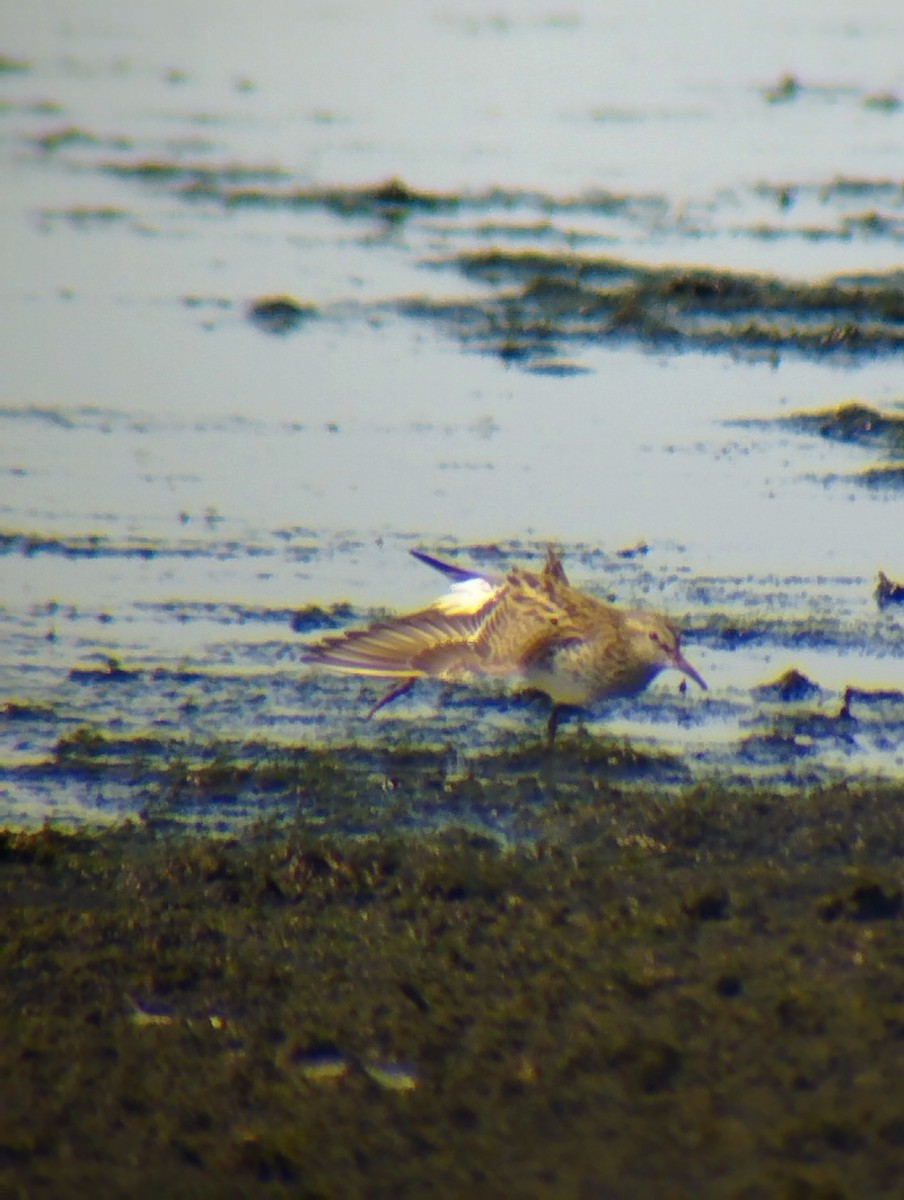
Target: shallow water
<point>178,481</point>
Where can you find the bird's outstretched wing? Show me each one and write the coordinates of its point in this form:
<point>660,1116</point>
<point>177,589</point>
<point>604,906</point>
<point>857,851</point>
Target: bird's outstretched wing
<point>437,641</point>
<point>480,626</point>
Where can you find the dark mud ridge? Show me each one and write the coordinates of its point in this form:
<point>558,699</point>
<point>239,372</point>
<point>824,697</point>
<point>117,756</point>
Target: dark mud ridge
<point>547,301</point>
<point>853,424</point>
<point>698,995</point>
<point>552,296</point>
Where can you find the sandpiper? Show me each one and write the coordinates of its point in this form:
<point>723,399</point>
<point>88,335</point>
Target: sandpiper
<point>530,629</point>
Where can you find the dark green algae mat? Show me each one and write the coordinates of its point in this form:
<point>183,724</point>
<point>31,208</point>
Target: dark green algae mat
<point>692,994</point>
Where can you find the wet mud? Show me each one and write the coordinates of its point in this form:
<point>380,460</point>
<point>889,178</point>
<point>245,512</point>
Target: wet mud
<point>202,711</point>
<point>699,993</point>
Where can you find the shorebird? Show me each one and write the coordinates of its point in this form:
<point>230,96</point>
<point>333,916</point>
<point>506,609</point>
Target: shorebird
<point>530,629</point>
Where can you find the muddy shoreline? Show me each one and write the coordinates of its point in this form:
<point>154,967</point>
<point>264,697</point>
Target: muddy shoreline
<point>678,993</point>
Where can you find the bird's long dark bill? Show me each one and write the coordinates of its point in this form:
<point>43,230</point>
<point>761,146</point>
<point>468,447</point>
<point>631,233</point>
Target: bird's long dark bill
<point>680,663</point>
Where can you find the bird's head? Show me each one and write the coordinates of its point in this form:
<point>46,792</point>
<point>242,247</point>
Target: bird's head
<point>655,641</point>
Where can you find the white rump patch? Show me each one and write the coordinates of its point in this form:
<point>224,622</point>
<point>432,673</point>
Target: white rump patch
<point>466,597</point>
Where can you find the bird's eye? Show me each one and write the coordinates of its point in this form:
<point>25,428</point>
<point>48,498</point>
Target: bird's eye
<point>654,637</point>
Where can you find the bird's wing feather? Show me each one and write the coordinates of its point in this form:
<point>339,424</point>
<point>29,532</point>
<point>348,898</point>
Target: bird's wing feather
<point>452,570</point>
<point>553,569</point>
<point>533,608</point>
<point>468,596</point>
<point>438,640</point>
<point>539,654</point>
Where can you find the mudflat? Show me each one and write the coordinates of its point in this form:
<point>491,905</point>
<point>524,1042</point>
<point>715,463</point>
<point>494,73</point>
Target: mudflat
<point>686,993</point>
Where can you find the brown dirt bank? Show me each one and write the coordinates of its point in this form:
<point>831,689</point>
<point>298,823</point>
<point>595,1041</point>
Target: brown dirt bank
<point>701,995</point>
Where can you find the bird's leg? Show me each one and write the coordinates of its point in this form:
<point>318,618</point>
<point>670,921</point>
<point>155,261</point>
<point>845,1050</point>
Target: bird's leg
<point>552,725</point>
<point>397,689</point>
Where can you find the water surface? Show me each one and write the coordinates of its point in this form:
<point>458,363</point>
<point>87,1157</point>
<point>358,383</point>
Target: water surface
<point>517,243</point>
